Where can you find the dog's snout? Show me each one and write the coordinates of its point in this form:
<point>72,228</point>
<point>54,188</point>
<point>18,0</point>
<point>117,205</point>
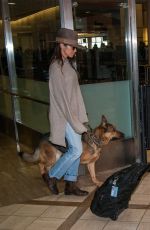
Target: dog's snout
<point>117,136</point>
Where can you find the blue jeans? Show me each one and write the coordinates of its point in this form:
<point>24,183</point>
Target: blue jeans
<point>68,164</point>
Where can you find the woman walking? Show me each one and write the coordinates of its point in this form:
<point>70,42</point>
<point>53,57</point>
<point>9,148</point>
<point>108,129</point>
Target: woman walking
<point>67,112</point>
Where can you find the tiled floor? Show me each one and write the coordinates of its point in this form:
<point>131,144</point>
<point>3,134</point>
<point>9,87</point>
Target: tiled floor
<point>26,203</point>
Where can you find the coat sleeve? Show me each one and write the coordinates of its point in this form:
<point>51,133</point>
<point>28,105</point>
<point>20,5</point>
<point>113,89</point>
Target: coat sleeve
<point>57,88</point>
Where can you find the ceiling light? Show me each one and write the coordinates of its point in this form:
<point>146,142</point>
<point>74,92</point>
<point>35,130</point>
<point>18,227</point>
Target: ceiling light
<point>75,4</point>
<point>123,5</point>
<point>11,3</point>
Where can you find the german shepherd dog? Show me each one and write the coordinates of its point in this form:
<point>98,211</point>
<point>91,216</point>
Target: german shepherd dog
<point>46,154</point>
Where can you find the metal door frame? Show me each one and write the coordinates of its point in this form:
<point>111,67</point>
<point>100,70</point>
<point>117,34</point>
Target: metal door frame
<point>132,63</point>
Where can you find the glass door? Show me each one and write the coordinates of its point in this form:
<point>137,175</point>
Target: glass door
<point>108,64</point>
<point>29,31</point>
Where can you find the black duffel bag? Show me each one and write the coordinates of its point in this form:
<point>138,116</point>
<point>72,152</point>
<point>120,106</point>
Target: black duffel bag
<point>113,196</point>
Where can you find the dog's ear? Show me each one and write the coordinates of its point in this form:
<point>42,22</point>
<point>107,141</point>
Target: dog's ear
<point>103,120</point>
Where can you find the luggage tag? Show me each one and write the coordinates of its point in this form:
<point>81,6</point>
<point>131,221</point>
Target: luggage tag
<point>114,189</point>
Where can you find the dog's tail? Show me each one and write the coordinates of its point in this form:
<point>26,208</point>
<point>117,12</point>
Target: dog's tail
<point>28,157</point>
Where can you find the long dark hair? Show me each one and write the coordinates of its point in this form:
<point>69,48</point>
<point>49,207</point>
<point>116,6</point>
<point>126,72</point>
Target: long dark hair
<point>57,56</point>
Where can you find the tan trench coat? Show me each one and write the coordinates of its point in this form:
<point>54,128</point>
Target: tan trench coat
<point>66,102</point>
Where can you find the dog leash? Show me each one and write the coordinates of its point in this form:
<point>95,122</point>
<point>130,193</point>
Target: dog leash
<point>93,139</point>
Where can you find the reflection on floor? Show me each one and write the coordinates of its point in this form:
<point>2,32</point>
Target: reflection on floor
<point>19,181</point>
<point>26,203</point>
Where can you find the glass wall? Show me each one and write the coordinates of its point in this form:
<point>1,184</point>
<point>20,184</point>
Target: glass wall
<point>34,25</point>
<point>107,30</point>
<point>143,37</point>
<point>143,23</point>
<point>101,29</point>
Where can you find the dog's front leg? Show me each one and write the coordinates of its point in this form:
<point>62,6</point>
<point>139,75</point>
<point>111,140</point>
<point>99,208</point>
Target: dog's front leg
<point>91,168</point>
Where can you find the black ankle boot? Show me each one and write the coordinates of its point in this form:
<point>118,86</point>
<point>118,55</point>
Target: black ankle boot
<point>72,189</point>
<point>45,178</point>
<point>52,185</point>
